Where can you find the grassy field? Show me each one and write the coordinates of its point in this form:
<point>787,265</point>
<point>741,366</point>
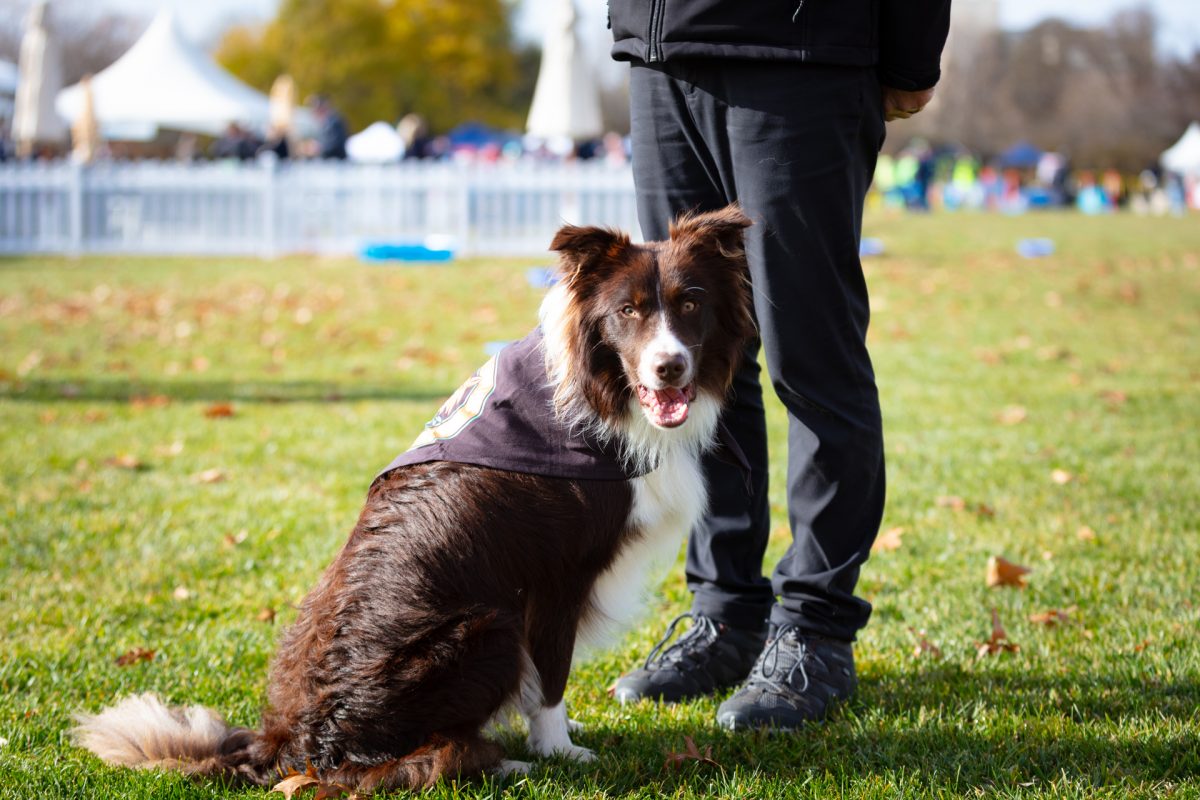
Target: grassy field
<point>1046,411</point>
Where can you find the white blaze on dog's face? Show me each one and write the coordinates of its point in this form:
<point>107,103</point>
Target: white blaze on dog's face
<point>665,370</point>
<point>662,321</point>
<point>659,331</point>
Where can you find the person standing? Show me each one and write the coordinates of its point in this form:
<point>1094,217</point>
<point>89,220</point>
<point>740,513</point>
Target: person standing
<point>331,129</point>
<point>781,108</point>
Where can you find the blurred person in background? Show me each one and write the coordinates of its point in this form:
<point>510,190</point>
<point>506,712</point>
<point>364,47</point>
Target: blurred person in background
<point>236,143</point>
<point>331,130</point>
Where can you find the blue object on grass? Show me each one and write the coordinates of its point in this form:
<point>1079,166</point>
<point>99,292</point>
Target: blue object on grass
<point>1035,248</point>
<point>430,249</point>
<point>870,247</point>
<point>541,277</point>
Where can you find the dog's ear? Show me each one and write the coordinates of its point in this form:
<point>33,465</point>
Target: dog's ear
<point>724,229</point>
<point>581,248</point>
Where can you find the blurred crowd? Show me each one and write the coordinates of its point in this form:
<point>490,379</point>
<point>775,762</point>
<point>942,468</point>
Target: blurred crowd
<point>922,178</point>
<point>919,177</point>
<point>410,139</point>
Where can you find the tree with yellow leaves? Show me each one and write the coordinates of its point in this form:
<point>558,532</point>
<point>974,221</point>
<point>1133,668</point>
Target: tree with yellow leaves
<point>448,61</point>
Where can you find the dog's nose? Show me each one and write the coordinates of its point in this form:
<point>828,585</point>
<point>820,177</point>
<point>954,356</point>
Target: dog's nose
<point>670,367</point>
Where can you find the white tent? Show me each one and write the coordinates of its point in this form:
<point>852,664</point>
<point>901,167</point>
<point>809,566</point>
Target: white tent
<point>165,81</point>
<point>566,99</point>
<point>1184,156</point>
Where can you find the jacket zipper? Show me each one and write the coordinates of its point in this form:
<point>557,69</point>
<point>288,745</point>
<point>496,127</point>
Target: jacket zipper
<point>655,53</point>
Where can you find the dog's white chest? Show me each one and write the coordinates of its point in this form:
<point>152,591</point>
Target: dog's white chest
<point>666,504</point>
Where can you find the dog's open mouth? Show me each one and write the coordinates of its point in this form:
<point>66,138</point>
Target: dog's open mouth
<point>667,408</point>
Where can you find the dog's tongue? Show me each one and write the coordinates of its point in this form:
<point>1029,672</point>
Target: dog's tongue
<point>668,408</point>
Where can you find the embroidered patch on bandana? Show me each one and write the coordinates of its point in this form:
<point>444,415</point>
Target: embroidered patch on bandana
<point>461,408</point>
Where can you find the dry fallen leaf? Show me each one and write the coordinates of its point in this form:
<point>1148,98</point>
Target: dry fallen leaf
<point>1012,415</point>
<point>989,356</point>
<point>1002,572</point>
<point>172,449</point>
<point>1061,477</point>
<point>296,782</point>
<point>150,401</point>
<point>219,410</point>
<point>231,540</point>
<point>210,476</point>
<point>1053,352</point>
<point>950,501</point>
<point>998,642</point>
<point>1052,617</point>
<point>1130,292</point>
<point>134,656</point>
<point>266,615</point>
<point>1114,398</point>
<point>888,541</point>
<point>924,647</point>
<point>1085,534</point>
<point>125,461</point>
<point>690,753</point>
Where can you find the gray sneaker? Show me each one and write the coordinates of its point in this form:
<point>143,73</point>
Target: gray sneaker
<point>710,657</point>
<point>797,679</point>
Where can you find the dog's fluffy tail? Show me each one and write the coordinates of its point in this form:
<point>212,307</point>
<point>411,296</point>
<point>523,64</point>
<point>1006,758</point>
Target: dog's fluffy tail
<point>143,732</point>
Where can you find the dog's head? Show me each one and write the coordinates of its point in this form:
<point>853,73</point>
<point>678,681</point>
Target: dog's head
<point>664,322</point>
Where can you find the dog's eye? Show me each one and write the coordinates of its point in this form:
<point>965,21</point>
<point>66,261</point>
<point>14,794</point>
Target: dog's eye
<point>628,311</point>
<point>689,306</point>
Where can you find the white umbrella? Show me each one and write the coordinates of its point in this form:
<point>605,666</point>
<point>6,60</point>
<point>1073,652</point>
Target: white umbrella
<point>1184,156</point>
<point>566,100</point>
<point>378,144</point>
<point>35,120</point>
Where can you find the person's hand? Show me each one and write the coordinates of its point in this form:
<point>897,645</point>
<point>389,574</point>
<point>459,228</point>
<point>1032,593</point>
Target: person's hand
<point>901,104</point>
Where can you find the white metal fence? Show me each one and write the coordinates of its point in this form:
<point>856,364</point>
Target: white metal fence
<point>269,209</point>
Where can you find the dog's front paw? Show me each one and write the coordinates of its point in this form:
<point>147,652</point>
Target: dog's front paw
<point>509,767</point>
<point>576,753</point>
<point>575,726</point>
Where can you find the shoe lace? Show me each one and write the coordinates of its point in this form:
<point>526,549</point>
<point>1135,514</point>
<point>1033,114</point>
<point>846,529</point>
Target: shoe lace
<point>703,630</point>
<point>768,662</point>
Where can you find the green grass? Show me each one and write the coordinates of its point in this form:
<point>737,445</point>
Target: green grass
<point>333,366</point>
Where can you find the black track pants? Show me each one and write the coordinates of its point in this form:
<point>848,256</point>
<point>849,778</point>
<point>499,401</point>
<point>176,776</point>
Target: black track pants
<point>795,144</point>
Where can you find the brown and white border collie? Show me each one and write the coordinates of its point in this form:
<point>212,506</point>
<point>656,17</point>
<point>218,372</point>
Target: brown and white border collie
<point>463,589</point>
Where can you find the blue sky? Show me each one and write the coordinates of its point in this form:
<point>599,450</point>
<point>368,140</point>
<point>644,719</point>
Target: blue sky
<point>1180,29</point>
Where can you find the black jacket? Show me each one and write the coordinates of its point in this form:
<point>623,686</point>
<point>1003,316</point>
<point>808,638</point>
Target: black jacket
<point>904,38</point>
